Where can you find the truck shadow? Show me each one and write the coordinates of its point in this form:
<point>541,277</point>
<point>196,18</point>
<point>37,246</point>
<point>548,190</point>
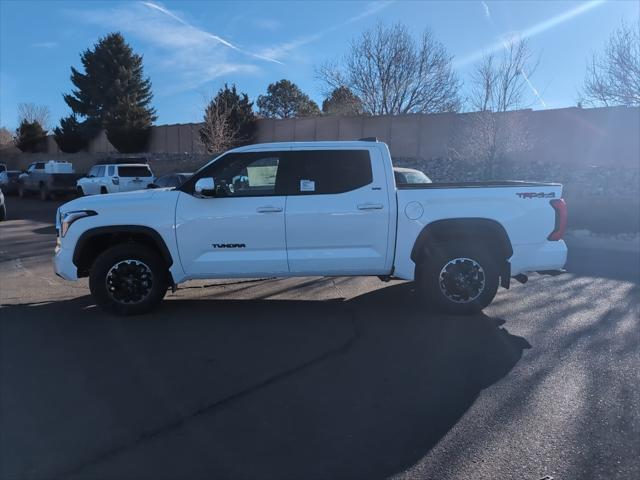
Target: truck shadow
<point>362,388</point>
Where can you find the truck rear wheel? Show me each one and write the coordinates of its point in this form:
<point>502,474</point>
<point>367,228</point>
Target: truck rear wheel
<point>128,279</point>
<point>458,278</point>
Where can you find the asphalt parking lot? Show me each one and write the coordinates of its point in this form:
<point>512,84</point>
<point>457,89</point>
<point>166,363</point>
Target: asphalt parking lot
<point>316,377</point>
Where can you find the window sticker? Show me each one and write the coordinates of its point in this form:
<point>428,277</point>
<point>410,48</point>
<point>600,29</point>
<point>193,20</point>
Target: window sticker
<point>307,186</point>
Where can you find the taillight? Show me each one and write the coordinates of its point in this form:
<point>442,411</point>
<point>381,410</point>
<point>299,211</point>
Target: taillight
<point>116,180</point>
<point>560,208</point>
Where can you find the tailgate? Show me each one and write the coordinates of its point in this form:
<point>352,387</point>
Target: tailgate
<point>63,180</point>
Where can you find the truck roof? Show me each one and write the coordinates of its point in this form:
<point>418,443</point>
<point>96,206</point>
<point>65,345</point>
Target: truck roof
<point>294,145</point>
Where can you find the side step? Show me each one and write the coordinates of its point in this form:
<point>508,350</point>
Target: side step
<point>552,273</point>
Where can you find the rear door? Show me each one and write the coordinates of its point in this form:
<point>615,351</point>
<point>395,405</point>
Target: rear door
<point>337,217</point>
<point>134,177</point>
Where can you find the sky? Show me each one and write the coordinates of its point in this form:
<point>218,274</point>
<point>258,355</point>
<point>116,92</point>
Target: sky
<point>191,48</point>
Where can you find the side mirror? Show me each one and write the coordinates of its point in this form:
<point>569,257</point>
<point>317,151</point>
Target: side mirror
<point>206,187</point>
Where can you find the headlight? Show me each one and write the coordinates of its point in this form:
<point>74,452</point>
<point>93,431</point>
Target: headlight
<point>67,218</point>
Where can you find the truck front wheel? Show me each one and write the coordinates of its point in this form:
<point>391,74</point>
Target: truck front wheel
<point>458,278</point>
<point>128,279</point>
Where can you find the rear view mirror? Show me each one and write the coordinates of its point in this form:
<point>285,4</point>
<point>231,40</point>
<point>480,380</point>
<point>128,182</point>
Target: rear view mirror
<point>206,187</point>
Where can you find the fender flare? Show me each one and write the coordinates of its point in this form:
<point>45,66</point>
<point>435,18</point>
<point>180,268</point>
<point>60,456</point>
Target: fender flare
<point>122,229</point>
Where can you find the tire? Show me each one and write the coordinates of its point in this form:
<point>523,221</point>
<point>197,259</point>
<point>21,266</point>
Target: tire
<point>80,192</point>
<point>103,190</point>
<point>458,278</point>
<point>128,265</point>
<point>3,213</point>
<point>44,192</point>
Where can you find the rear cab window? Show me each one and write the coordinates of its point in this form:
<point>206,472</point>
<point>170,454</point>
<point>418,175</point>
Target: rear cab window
<point>134,171</point>
<point>322,172</point>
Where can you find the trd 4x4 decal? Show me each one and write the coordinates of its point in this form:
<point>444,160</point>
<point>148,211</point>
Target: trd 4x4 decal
<point>536,195</point>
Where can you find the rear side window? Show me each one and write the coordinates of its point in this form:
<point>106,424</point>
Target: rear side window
<point>39,166</point>
<point>136,171</point>
<point>318,172</point>
<point>111,171</point>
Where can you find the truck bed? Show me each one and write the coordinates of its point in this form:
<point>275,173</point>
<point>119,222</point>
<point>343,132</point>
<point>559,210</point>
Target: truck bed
<point>493,183</point>
<point>523,209</point>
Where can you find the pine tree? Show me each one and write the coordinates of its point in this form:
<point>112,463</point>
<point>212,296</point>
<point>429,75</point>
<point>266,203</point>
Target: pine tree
<point>113,94</point>
<point>342,101</point>
<point>71,136</point>
<point>284,99</point>
<point>229,120</point>
<point>31,137</point>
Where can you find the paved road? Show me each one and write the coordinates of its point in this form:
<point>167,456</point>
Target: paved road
<point>316,377</point>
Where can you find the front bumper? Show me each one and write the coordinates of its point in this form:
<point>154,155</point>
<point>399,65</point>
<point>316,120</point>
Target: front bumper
<point>63,265</point>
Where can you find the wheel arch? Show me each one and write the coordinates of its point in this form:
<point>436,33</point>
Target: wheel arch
<point>489,231</point>
<point>94,241</point>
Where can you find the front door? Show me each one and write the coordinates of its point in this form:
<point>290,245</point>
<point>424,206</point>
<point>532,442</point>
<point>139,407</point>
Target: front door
<point>241,230</point>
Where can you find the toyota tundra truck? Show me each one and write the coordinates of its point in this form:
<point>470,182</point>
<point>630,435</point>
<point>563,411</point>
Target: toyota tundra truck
<point>311,209</point>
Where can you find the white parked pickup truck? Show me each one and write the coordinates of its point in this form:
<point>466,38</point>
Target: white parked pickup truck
<point>306,209</point>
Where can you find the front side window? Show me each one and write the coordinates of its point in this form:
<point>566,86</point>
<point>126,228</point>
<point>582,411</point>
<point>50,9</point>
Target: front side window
<point>242,174</point>
<point>318,172</point>
<point>100,172</point>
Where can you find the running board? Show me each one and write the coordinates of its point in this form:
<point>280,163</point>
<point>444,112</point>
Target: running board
<point>552,273</point>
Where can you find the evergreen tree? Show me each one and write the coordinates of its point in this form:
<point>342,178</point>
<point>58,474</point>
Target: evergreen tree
<point>113,94</point>
<point>31,137</point>
<point>71,136</point>
<point>342,101</point>
<point>229,120</point>
<point>284,99</point>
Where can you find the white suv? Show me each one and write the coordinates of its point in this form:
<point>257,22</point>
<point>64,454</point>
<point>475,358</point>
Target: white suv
<point>112,178</point>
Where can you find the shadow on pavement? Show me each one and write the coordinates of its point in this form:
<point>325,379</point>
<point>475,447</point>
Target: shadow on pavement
<point>227,389</point>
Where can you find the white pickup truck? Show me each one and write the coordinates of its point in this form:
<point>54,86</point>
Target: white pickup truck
<point>307,209</point>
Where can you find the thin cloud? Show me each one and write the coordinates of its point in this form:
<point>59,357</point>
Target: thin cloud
<point>487,12</point>
<point>532,31</point>
<point>534,90</point>
<point>217,38</point>
<point>188,57</point>
<point>45,45</point>
<point>284,49</point>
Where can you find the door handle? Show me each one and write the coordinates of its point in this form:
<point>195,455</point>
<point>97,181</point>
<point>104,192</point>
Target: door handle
<point>370,206</point>
<point>269,209</point>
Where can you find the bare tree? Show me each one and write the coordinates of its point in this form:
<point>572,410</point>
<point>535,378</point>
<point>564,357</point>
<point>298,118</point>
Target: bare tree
<point>488,139</point>
<point>218,132</point>
<point>500,84</point>
<point>613,76</point>
<point>32,113</point>
<point>492,134</point>
<point>6,137</point>
<point>393,74</point>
